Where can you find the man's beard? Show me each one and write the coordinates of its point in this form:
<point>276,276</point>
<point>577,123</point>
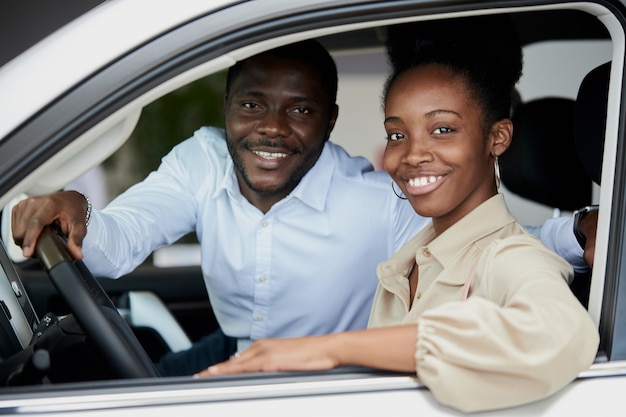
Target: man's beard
<point>236,148</point>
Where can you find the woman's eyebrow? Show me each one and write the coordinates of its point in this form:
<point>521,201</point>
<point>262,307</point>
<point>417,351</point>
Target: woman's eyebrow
<point>434,113</point>
<point>430,114</point>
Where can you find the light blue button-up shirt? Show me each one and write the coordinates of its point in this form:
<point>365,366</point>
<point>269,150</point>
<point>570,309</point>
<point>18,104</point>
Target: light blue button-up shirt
<point>307,266</point>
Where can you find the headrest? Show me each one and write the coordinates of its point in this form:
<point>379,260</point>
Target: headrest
<point>542,163</point>
<point>590,119</point>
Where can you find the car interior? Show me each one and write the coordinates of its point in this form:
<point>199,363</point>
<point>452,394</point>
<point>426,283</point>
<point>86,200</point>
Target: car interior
<point>566,156</point>
<point>61,324</point>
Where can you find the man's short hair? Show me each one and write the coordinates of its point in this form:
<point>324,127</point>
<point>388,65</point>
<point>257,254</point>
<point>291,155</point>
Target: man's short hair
<point>309,52</point>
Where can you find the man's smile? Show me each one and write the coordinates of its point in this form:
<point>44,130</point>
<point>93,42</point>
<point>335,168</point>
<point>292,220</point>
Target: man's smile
<point>270,155</point>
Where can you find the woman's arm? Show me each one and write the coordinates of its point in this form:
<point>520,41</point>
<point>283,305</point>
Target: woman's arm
<point>391,348</point>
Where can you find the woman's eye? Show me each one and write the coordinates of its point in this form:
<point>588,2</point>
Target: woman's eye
<point>442,130</point>
<point>395,136</point>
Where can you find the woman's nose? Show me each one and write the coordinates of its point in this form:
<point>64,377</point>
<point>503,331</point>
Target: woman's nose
<point>418,151</point>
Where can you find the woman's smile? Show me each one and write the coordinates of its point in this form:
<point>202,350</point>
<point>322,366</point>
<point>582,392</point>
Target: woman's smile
<point>423,184</point>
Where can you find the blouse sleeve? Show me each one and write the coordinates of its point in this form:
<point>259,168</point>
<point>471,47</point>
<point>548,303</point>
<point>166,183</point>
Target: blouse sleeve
<point>520,336</point>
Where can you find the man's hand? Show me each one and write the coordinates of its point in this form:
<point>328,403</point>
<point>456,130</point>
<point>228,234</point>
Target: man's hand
<point>588,226</point>
<point>67,210</point>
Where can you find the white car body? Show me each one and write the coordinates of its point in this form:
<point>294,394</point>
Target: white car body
<point>51,81</point>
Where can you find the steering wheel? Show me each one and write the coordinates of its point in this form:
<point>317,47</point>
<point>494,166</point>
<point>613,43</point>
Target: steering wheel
<point>93,309</point>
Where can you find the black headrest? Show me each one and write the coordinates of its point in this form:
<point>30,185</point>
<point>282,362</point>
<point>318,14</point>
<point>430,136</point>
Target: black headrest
<point>590,119</point>
<point>542,163</point>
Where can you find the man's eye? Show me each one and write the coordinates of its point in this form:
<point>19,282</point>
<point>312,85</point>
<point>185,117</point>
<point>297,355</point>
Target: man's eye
<point>302,110</point>
<point>250,105</point>
<point>395,136</point>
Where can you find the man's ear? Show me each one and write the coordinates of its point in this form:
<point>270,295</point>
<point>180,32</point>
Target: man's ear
<point>501,136</point>
<point>332,119</point>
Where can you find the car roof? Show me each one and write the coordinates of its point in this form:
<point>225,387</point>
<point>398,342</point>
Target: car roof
<point>84,45</point>
<point>24,23</point>
<point>88,43</point>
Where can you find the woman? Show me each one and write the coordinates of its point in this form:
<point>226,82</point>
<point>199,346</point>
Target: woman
<point>476,306</point>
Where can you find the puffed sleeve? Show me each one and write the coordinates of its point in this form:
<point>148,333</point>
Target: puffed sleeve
<point>519,337</point>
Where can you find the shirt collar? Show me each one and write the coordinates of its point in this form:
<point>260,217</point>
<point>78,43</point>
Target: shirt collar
<point>312,189</point>
<point>490,216</point>
<point>314,186</point>
<point>228,184</point>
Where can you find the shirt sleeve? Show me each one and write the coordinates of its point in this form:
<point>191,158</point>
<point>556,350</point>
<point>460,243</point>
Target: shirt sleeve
<point>155,212</point>
<point>558,235</point>
<point>519,337</point>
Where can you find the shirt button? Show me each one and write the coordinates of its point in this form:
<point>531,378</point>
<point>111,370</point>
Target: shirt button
<point>259,318</point>
<point>418,295</point>
<point>426,252</point>
<point>262,279</point>
<point>264,223</point>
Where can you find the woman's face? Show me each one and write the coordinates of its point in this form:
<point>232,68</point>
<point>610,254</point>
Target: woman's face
<point>436,149</point>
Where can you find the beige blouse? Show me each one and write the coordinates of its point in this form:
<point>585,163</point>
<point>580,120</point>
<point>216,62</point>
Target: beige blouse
<point>521,334</point>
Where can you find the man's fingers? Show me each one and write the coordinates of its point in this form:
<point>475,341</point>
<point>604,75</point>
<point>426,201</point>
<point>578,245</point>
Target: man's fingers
<point>26,228</point>
<point>74,246</point>
<point>64,209</point>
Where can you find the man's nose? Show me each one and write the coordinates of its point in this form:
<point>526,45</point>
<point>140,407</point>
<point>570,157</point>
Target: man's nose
<point>274,123</point>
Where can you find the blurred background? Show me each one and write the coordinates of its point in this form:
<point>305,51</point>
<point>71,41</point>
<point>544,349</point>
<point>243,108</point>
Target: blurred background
<point>24,22</point>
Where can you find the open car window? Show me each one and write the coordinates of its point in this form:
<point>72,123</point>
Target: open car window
<point>131,112</point>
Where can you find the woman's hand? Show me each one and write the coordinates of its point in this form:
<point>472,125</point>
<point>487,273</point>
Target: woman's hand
<point>391,348</point>
<point>273,355</point>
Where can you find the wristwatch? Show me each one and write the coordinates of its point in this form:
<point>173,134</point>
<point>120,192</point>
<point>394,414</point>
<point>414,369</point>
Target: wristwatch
<point>578,216</point>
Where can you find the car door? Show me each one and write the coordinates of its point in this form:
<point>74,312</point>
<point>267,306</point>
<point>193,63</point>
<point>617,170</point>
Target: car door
<point>86,122</point>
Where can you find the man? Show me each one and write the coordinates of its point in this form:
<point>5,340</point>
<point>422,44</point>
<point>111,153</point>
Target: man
<point>291,227</point>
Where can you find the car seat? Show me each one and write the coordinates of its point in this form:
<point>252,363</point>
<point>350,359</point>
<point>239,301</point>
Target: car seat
<point>542,163</point>
<point>550,161</point>
<point>589,133</point>
<point>590,119</point>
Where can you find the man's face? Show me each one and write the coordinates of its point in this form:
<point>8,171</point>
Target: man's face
<point>277,117</point>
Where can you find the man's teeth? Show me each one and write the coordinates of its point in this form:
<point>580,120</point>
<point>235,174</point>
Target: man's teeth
<point>270,155</point>
<point>422,181</point>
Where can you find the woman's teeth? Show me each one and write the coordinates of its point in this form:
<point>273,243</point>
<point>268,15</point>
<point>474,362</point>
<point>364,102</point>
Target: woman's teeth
<point>423,181</point>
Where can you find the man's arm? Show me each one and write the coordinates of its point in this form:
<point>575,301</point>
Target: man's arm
<point>558,235</point>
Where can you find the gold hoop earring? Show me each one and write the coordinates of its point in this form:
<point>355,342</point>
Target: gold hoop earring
<point>394,191</point>
<point>497,169</point>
